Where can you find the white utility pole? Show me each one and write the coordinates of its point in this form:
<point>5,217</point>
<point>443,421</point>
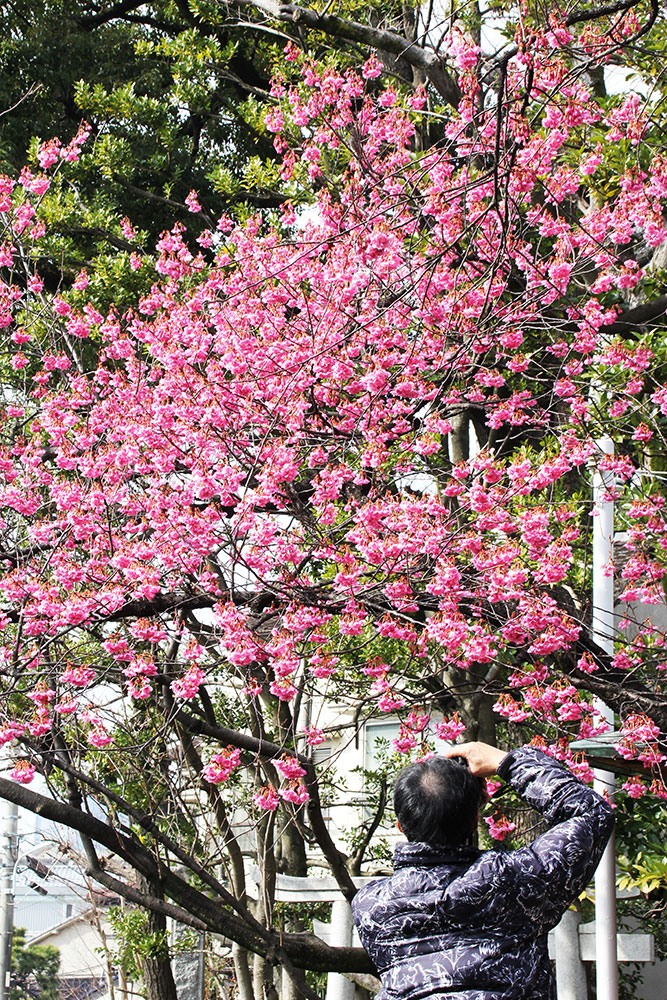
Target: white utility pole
<point>606,964</point>
<point>8,856</point>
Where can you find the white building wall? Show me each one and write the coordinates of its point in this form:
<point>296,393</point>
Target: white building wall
<point>80,946</point>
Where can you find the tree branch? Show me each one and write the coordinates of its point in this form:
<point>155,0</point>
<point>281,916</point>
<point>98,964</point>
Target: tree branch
<point>617,688</point>
<point>334,857</point>
<point>386,41</point>
<point>355,861</point>
<point>265,748</point>
<point>150,826</point>
<point>143,899</point>
<point>598,12</point>
<point>98,232</point>
<point>158,605</point>
<point>104,16</point>
<point>252,744</point>
<point>304,950</point>
<point>159,198</point>
<point>640,315</point>
<point>16,556</point>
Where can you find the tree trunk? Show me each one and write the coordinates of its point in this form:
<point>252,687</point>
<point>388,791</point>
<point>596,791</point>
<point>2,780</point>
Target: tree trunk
<point>156,969</point>
<point>262,970</point>
<point>242,972</point>
<point>292,862</point>
<point>459,438</point>
<point>263,984</point>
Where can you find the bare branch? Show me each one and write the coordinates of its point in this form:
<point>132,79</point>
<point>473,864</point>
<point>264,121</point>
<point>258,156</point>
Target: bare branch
<point>253,744</point>
<point>109,13</point>
<point>143,899</point>
<point>304,950</point>
<point>640,315</point>
<point>386,41</point>
<point>356,860</point>
<point>598,12</point>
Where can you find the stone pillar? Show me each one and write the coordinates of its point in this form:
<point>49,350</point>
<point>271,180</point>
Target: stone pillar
<point>188,966</point>
<point>570,970</point>
<point>340,987</point>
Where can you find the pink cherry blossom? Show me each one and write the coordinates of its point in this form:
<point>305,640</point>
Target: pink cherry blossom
<point>635,788</point>
<point>78,676</point>
<point>23,772</point>
<point>48,153</point>
<point>288,767</point>
<point>10,732</point>
<point>66,705</point>
<point>271,434</point>
<point>188,685</point>
<point>499,826</point>
<point>267,798</point>
<point>99,737</point>
<point>405,741</point>
<point>222,765</point>
<point>294,792</point>
<point>450,729</point>
<point>314,736</point>
<point>192,202</point>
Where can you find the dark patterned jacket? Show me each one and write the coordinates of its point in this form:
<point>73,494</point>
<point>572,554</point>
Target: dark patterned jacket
<point>460,924</point>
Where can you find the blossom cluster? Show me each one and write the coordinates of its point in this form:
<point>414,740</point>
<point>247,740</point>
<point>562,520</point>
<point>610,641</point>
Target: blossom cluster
<point>272,434</point>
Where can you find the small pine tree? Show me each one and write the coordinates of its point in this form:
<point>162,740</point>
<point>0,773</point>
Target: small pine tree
<point>34,970</point>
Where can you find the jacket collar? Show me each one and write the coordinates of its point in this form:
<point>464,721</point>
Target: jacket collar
<point>429,855</point>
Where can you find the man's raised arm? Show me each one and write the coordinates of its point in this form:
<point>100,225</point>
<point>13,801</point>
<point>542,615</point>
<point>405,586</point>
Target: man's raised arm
<point>557,865</point>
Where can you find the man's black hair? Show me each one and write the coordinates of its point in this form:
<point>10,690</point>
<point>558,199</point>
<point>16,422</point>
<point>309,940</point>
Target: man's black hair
<point>436,801</point>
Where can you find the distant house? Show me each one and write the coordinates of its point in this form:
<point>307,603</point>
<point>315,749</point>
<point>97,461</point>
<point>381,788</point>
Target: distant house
<point>82,940</point>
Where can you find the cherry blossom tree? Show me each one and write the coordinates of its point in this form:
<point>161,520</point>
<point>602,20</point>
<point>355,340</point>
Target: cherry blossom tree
<point>340,458</point>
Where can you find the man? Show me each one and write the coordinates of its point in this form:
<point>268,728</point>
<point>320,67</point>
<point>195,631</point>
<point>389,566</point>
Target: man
<point>462,924</point>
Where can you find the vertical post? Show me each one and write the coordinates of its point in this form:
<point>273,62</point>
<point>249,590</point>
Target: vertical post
<point>570,972</point>
<point>187,966</point>
<point>340,987</point>
<point>606,965</point>
<point>8,847</point>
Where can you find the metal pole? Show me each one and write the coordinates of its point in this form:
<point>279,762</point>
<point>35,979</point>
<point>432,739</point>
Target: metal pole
<point>7,866</point>
<point>606,964</point>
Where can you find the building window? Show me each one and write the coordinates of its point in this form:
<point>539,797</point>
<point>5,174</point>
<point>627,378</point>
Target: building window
<point>378,735</point>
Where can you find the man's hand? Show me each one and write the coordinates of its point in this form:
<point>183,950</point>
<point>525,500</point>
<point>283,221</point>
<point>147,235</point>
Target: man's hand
<point>483,759</point>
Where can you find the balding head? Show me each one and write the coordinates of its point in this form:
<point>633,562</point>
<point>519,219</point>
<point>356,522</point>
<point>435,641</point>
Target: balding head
<point>437,801</point>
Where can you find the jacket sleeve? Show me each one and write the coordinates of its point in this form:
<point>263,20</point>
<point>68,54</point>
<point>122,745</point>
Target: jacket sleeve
<point>552,871</point>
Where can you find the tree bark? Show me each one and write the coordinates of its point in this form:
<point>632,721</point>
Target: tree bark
<point>459,438</point>
<point>156,969</point>
<point>191,906</point>
<point>292,861</point>
<point>242,971</point>
<point>429,62</point>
